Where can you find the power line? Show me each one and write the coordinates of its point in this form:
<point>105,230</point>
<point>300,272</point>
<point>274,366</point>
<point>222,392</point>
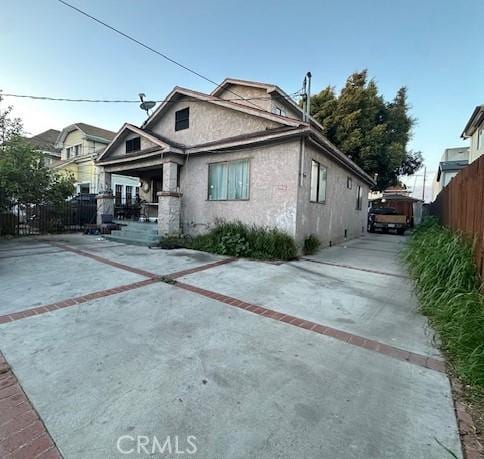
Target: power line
<point>133,101</point>
<point>149,48</point>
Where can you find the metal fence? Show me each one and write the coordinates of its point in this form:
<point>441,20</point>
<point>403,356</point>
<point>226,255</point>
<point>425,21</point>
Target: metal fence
<point>34,219</point>
<point>460,206</point>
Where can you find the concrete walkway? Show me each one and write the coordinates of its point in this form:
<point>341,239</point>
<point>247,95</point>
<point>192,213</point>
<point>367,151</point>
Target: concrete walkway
<point>322,357</point>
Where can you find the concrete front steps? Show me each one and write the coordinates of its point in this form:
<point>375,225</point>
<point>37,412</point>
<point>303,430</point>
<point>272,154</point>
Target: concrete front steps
<point>135,233</point>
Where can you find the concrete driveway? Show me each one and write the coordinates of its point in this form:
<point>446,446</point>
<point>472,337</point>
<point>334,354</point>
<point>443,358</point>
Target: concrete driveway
<point>124,351</point>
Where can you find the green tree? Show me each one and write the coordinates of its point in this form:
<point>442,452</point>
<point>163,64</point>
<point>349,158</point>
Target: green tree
<point>374,133</point>
<point>9,127</point>
<point>25,180</point>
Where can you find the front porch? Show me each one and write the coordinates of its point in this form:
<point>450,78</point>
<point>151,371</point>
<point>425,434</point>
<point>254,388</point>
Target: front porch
<point>158,200</point>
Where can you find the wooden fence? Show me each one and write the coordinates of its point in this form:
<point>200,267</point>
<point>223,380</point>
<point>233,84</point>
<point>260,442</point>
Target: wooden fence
<point>460,206</point>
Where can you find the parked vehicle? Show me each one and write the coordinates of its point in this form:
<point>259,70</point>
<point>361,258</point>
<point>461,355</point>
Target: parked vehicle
<point>387,219</point>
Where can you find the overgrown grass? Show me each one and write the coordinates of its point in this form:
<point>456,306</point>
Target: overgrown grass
<point>448,288</point>
<point>311,244</point>
<point>240,240</point>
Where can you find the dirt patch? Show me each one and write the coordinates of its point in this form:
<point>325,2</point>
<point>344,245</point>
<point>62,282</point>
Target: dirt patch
<point>469,405</point>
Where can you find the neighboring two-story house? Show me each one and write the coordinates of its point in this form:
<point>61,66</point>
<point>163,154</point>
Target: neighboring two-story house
<point>79,145</point>
<point>244,152</point>
<point>45,143</point>
<point>453,160</point>
<point>474,131</point>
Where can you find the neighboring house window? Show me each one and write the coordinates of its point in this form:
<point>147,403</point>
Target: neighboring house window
<point>133,145</point>
<point>76,150</point>
<point>319,175</point>
<point>349,183</point>
<point>137,193</point>
<point>228,180</point>
<point>118,194</point>
<point>278,111</point>
<point>182,119</point>
<point>84,188</point>
<point>359,197</point>
<point>480,138</point>
<point>68,152</point>
<point>129,194</point>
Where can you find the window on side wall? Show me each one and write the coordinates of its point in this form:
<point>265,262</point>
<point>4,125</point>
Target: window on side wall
<point>68,153</point>
<point>118,194</point>
<point>182,119</point>
<point>359,197</point>
<point>319,176</point>
<point>133,145</point>
<point>228,181</point>
<point>480,138</point>
<point>349,183</point>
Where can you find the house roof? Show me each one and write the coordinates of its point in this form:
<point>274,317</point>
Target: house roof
<point>476,119</point>
<point>288,126</point>
<point>45,141</point>
<point>451,166</point>
<point>178,92</point>
<point>92,132</point>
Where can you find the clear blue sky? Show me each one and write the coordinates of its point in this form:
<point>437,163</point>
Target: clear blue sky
<point>434,47</point>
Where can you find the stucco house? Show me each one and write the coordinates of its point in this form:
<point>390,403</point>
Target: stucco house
<point>79,145</point>
<point>474,131</point>
<point>242,152</point>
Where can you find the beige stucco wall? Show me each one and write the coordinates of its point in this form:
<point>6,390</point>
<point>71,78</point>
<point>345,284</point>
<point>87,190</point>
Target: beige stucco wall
<point>272,190</point>
<point>328,221</point>
<point>208,123</point>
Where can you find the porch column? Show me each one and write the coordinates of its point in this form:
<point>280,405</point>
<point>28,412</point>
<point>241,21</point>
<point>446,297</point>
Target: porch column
<point>105,198</point>
<point>169,202</point>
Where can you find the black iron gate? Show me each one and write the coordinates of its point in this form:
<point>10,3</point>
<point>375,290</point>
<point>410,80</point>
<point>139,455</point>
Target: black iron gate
<point>33,219</point>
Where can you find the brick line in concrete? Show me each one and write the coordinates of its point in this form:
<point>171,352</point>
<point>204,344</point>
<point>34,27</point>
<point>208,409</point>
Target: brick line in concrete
<point>11,317</point>
<point>349,338</point>
<point>366,270</point>
<point>75,300</point>
<point>23,435</point>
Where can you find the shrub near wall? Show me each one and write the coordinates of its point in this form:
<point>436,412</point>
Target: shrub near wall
<point>240,240</point>
<point>448,288</point>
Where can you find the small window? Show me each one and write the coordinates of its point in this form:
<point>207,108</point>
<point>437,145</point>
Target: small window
<point>68,152</point>
<point>480,138</point>
<point>349,183</point>
<point>136,190</point>
<point>278,111</point>
<point>118,194</point>
<point>319,175</point>
<point>129,194</point>
<point>359,197</point>
<point>182,119</point>
<point>133,145</point>
<point>76,150</point>
<point>228,181</point>
<point>84,188</point>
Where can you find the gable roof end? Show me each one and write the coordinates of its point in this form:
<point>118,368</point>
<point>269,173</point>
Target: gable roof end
<point>163,144</point>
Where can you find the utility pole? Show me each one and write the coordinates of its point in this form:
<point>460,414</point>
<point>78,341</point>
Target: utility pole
<point>423,189</point>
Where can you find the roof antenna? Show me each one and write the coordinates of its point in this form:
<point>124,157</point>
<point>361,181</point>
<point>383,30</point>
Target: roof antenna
<point>146,105</point>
